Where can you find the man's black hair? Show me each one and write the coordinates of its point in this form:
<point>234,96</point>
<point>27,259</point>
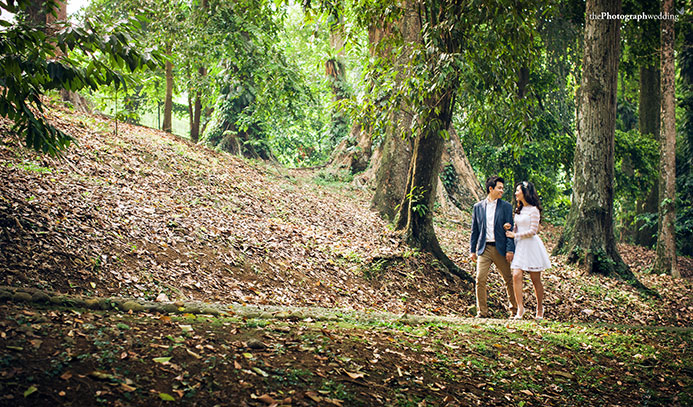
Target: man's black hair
<point>492,181</point>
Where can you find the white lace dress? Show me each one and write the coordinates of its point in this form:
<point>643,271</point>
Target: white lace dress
<point>530,253</point>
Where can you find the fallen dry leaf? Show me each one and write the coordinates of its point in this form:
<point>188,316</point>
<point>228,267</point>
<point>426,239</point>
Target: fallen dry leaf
<point>314,396</point>
<point>355,375</point>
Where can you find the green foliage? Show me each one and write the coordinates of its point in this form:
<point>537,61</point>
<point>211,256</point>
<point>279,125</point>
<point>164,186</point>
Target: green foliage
<point>416,198</point>
<point>375,269</point>
<point>257,66</point>
<point>636,162</point>
<point>603,263</point>
<point>246,34</point>
<point>166,25</point>
<point>253,66</point>
<point>528,133</point>
<point>308,134</point>
<point>266,94</point>
<point>465,45</point>
<point>448,176</point>
<point>32,166</point>
<point>326,177</point>
<point>641,40</point>
<point>30,67</point>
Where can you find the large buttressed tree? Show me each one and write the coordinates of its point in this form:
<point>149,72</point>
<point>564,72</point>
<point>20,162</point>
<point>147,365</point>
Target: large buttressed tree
<point>396,149</point>
<point>454,37</point>
<point>432,118</point>
<point>588,238</point>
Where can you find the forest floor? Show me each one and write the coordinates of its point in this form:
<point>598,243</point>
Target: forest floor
<point>148,216</point>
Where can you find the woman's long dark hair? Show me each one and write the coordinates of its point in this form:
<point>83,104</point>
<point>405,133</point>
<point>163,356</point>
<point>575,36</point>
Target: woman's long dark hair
<point>530,195</point>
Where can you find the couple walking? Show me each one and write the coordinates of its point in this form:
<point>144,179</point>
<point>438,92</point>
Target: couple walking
<point>511,243</point>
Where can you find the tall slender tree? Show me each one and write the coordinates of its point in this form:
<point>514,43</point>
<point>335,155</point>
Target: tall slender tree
<point>198,71</point>
<point>684,159</point>
<point>168,99</point>
<point>666,237</point>
<point>641,52</point>
<point>648,108</point>
<point>588,238</point>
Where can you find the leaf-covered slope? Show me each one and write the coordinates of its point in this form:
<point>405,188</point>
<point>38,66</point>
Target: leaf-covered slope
<point>144,213</point>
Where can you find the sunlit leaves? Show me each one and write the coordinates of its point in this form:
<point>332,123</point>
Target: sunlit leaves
<point>522,129</point>
<point>264,91</point>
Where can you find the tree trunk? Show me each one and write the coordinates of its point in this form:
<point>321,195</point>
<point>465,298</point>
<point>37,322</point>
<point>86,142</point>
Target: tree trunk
<point>459,180</point>
<point>391,174</point>
<point>168,101</point>
<point>649,105</point>
<point>648,112</point>
<point>51,27</point>
<point>390,161</point>
<point>347,155</point>
<point>588,238</point>
<point>207,113</point>
<point>36,13</point>
<point>666,240</point>
<point>191,113</point>
<point>334,66</point>
<point>522,82</point>
<point>51,20</point>
<point>415,216</point>
<point>335,73</point>
<point>196,115</point>
<point>353,157</point>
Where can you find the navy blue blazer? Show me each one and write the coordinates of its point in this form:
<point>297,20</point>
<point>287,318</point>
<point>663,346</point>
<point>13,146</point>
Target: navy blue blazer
<point>504,214</point>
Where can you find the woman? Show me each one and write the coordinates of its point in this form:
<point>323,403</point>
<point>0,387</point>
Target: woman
<point>530,253</point>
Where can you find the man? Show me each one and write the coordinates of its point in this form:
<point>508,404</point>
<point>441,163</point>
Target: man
<point>490,245</point>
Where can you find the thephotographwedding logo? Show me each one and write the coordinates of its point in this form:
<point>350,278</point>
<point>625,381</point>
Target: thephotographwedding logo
<point>605,15</point>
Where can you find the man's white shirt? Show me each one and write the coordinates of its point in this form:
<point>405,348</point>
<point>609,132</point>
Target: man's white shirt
<point>490,219</point>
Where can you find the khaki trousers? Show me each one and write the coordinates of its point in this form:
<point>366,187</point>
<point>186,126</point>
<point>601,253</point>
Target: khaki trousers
<point>483,265</point>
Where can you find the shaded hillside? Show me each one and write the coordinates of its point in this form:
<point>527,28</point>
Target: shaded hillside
<point>145,213</point>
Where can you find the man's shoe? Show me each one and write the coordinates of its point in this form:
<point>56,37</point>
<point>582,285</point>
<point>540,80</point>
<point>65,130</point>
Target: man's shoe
<point>480,315</point>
